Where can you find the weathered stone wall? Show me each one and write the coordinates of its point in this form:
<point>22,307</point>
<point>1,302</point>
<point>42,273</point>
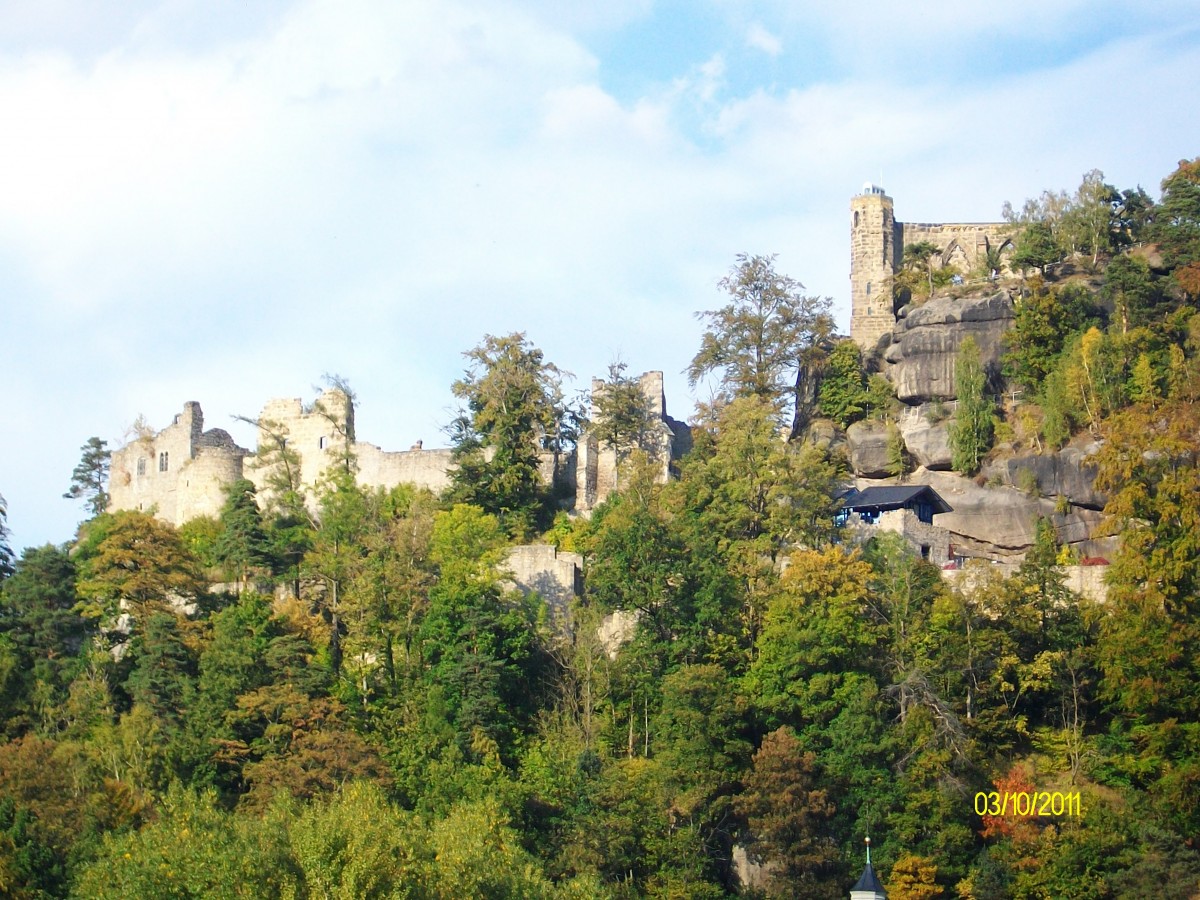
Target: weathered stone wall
<point>423,468</point>
<point>200,465</point>
<point>873,239</point>
<point>877,242</point>
<point>316,437</point>
<point>960,244</point>
<point>597,464</point>
<point>931,542</point>
<point>320,433</point>
<point>181,472</point>
<point>1087,581</point>
<point>555,575</point>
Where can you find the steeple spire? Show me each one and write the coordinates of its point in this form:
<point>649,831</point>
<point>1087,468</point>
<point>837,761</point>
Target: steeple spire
<point>868,886</point>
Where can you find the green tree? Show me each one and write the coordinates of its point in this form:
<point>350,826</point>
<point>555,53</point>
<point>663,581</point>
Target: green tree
<point>768,341</point>
<point>971,430</point>
<point>91,475</point>
<point>918,261</point>
<point>1088,221</point>
<point>1136,298</point>
<point>514,409</point>
<point>623,418</point>
<point>1045,321</point>
<point>193,848</point>
<point>38,617</point>
<point>1150,469</point>
<point>242,545</point>
<point>390,589</point>
<point>1036,248</point>
<point>1177,225</point>
<point>337,550</point>
<point>843,395</point>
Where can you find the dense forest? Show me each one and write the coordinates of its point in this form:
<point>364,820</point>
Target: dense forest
<point>364,708</point>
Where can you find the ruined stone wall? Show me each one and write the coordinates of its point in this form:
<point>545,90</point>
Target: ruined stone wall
<point>597,465</point>
<point>555,575</point>
<point>422,468</point>
<point>1087,581</point>
<point>961,244</point>
<point>317,434</point>
<point>181,472</point>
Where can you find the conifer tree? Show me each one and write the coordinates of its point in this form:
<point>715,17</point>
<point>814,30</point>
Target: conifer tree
<point>91,475</point>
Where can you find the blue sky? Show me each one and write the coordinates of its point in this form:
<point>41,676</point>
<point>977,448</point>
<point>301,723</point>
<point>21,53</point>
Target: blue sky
<point>221,201</point>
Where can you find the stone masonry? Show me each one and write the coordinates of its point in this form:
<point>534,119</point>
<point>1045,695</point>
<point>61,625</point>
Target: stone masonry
<point>597,464</point>
<point>877,243</point>
<point>182,471</point>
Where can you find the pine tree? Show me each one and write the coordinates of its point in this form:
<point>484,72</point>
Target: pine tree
<point>91,475</point>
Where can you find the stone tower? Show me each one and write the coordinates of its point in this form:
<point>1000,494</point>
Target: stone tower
<point>873,257</point>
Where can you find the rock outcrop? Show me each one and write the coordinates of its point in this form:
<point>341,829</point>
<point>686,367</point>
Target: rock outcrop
<point>924,345</point>
<point>867,446</point>
<point>999,521</point>
<point>926,436</point>
<point>1062,474</point>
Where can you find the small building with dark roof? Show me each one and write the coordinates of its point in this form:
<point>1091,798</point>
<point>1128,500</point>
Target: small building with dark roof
<point>907,510</point>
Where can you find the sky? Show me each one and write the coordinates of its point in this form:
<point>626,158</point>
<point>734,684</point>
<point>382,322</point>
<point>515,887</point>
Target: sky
<point>224,200</point>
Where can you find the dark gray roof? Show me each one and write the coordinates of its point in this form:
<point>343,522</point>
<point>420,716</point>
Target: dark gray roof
<point>895,497</point>
<point>868,881</point>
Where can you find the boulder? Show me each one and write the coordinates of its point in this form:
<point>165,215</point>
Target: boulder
<point>822,433</point>
<point>927,441</point>
<point>924,345</point>
<point>1062,474</point>
<point>1000,521</point>
<point>868,448</point>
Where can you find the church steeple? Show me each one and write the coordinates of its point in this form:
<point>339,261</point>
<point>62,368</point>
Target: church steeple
<point>868,886</point>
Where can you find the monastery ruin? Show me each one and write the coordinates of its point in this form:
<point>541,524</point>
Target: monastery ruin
<point>877,243</point>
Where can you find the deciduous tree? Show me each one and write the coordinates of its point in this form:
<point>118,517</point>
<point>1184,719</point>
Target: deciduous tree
<point>768,341</point>
<point>971,430</point>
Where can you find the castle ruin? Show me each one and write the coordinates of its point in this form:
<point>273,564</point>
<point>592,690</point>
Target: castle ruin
<point>877,243</point>
<point>182,472</point>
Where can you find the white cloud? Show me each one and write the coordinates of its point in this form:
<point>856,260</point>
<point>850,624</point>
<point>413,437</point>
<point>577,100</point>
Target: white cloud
<point>369,187</point>
<point>760,39</point>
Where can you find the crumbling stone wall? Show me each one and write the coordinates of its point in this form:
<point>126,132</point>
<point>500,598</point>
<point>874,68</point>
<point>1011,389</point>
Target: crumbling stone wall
<point>323,432</point>
<point>597,463</point>
<point>555,575</point>
<point>180,473</point>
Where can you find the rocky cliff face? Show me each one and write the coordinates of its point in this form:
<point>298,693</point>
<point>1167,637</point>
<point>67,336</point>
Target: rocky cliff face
<point>995,514</point>
<point>920,357</point>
